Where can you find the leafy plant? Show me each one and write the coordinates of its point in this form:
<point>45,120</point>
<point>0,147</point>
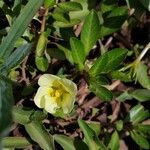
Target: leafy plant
<point>10,59</point>
<point>92,69</point>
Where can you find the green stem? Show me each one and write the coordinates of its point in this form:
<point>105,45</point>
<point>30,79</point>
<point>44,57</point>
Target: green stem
<point>127,67</point>
<point>15,142</point>
<point>102,48</point>
<point>139,58</point>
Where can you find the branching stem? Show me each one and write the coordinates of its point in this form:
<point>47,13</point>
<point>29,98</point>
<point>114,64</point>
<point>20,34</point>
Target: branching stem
<point>139,58</point>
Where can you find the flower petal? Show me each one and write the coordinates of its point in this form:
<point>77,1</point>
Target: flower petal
<point>47,80</point>
<point>50,104</point>
<point>69,86</point>
<point>67,103</point>
<point>39,97</point>
<point>62,98</point>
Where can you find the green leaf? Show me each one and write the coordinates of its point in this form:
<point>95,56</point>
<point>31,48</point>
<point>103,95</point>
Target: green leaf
<point>80,144</point>
<point>61,16</point>
<point>42,63</point>
<point>66,142</point>
<point>104,31</point>
<point>118,14</point>
<point>28,90</point>
<point>100,79</point>
<point>89,33</point>
<point>56,53</point>
<point>145,3</point>
<point>6,102</point>
<point>142,76</point>
<point>119,125</point>
<point>113,21</point>
<point>67,33</point>
<point>90,136</point>
<point>141,95</point>
<point>39,134</point>
<point>77,52</point>
<point>66,51</point>
<point>41,45</point>
<point>124,96</point>
<point>123,76</point>
<point>70,6</point>
<point>82,13</point>
<point>26,115</point>
<point>100,91</point>
<point>67,24</point>
<point>95,126</point>
<point>22,115</point>
<point>49,3</point>
<point>114,141</point>
<point>107,6</point>
<point>18,27</point>
<point>140,140</point>
<point>137,114</point>
<point>15,142</point>
<point>16,7</point>
<point>16,57</point>
<point>109,61</point>
<point>144,128</point>
<point>38,116</point>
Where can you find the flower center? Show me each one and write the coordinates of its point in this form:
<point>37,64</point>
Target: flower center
<point>55,93</point>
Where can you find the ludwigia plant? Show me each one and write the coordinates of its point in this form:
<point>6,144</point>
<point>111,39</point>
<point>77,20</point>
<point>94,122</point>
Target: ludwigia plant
<point>73,76</point>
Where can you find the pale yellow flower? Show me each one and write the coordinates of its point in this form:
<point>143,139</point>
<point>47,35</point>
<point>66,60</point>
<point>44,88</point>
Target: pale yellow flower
<point>55,94</point>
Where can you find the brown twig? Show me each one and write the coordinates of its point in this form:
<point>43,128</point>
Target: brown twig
<point>23,70</point>
<point>44,20</point>
<point>113,85</point>
<point>107,44</point>
<point>116,111</point>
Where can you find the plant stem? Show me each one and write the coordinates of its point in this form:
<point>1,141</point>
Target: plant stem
<point>44,20</point>
<point>102,48</point>
<point>139,58</point>
<point>144,52</point>
<point>128,4</point>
